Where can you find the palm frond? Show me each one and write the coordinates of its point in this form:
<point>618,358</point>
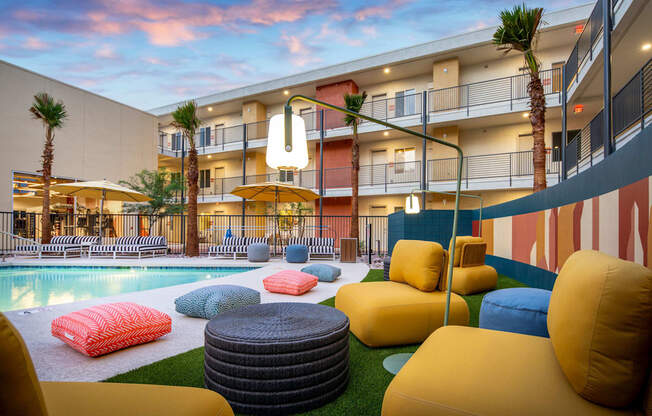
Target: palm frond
<point>51,113</point>
<point>518,31</point>
<point>353,102</point>
<point>185,118</point>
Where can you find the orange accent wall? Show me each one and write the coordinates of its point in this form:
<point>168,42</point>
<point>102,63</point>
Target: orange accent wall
<point>334,94</point>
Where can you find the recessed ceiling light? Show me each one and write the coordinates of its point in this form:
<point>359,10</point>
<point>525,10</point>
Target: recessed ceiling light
<point>646,47</point>
<point>386,70</point>
<point>526,115</point>
<point>286,92</point>
<point>210,108</point>
<point>210,156</point>
<point>386,133</point>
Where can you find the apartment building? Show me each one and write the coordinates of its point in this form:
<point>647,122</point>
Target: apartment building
<point>459,89</point>
<point>101,138</point>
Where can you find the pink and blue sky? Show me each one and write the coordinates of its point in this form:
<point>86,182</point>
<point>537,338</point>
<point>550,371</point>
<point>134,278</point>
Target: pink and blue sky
<point>148,53</point>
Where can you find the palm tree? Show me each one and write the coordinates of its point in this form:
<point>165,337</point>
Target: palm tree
<point>185,119</point>
<point>52,114</point>
<point>354,102</point>
<point>518,31</point>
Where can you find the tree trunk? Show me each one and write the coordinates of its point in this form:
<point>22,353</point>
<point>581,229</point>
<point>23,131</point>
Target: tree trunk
<point>355,165</point>
<point>538,121</point>
<point>192,236</point>
<point>47,158</point>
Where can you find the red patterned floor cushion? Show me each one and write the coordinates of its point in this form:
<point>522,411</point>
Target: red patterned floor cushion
<point>106,328</point>
<point>291,282</point>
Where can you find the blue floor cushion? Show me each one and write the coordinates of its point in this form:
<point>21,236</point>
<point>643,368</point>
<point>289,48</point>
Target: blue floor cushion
<point>522,310</point>
<point>324,272</point>
<point>296,253</point>
<point>209,301</point>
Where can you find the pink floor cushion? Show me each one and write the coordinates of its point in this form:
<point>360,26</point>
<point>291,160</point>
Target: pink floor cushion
<point>106,328</point>
<point>290,282</point>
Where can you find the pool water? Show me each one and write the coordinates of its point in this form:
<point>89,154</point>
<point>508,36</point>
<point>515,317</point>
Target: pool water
<point>23,287</point>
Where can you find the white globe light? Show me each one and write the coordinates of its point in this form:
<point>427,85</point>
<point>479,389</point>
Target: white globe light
<point>278,157</point>
<point>412,204</point>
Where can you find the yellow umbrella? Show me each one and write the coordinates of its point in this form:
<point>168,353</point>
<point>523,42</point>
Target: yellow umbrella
<point>102,190</point>
<point>276,192</point>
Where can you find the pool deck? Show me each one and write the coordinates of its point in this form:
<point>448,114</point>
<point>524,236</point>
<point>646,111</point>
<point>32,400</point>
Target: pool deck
<point>55,361</point>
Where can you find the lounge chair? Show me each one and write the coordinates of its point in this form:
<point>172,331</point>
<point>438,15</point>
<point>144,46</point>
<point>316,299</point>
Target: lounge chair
<point>316,246</point>
<point>131,246</point>
<point>23,394</point>
<point>60,246</point>
<point>234,246</point>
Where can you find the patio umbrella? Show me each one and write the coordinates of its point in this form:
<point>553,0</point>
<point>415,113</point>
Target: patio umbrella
<point>275,192</point>
<point>102,190</point>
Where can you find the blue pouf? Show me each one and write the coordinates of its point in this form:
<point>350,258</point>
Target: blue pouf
<point>522,310</point>
<point>258,252</point>
<point>324,272</point>
<point>296,253</point>
<point>209,301</point>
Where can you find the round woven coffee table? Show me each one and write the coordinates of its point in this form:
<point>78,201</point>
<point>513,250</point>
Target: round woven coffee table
<point>277,358</point>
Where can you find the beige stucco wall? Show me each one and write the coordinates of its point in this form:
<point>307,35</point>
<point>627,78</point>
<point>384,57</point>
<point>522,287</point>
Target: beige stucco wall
<point>100,139</point>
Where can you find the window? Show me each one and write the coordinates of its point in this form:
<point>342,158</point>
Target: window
<point>205,178</point>
<point>286,176</point>
<point>404,160</point>
<point>219,134</point>
<point>556,76</point>
<point>204,136</point>
<point>379,106</point>
<point>406,102</point>
<point>176,141</point>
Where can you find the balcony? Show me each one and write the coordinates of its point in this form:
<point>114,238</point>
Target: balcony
<point>481,172</point>
<point>632,111</point>
<point>479,99</point>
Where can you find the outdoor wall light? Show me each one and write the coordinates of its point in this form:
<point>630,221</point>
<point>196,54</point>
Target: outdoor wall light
<point>287,148</point>
<point>646,47</point>
<point>386,70</point>
<point>526,115</point>
<point>210,108</point>
<point>412,204</point>
<point>286,92</point>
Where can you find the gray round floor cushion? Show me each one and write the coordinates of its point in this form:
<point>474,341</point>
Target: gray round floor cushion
<point>209,301</point>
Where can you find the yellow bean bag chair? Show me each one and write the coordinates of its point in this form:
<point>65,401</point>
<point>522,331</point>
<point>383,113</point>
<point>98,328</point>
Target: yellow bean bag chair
<point>470,274</point>
<point>408,308</point>
<point>22,394</point>
<point>596,361</point>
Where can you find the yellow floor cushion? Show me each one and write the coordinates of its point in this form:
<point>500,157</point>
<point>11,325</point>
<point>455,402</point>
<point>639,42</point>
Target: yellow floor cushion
<point>469,280</point>
<point>391,313</point>
<point>471,371</point>
<point>112,399</point>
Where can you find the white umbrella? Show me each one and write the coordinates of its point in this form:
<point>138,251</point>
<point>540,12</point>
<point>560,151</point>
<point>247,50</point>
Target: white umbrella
<point>102,190</point>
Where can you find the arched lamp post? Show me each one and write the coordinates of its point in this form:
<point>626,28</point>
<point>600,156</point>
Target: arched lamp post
<point>287,148</point>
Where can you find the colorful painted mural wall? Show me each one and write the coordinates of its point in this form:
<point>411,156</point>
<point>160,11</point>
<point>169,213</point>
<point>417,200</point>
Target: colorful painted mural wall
<point>616,222</point>
<point>607,208</point>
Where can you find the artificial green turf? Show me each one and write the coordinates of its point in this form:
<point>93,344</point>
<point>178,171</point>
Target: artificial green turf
<point>368,378</point>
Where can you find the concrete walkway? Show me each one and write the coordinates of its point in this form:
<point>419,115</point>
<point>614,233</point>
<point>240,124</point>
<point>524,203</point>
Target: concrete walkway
<point>55,361</point>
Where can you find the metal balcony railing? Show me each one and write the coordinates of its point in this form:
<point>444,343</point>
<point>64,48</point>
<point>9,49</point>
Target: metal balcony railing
<point>502,166</point>
<point>407,107</point>
<point>631,105</point>
<point>500,90</point>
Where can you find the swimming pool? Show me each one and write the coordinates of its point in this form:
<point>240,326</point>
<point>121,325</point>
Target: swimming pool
<point>23,287</point>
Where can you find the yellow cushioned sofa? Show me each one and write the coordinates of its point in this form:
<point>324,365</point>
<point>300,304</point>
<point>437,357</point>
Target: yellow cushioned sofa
<point>23,395</point>
<point>470,274</point>
<point>408,308</point>
<point>596,361</point>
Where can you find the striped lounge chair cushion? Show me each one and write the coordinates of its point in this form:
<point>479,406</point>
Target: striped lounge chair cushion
<point>322,246</point>
<point>63,239</point>
<point>127,241</point>
<point>102,248</point>
<point>290,282</point>
<point>106,328</point>
<point>59,248</point>
<point>28,248</point>
<point>88,239</point>
<point>153,241</point>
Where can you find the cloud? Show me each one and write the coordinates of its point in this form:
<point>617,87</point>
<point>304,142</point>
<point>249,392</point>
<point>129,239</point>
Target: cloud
<point>166,23</point>
<point>106,52</point>
<point>340,36</point>
<point>35,44</point>
<point>300,53</point>
<point>238,67</point>
<point>384,10</point>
